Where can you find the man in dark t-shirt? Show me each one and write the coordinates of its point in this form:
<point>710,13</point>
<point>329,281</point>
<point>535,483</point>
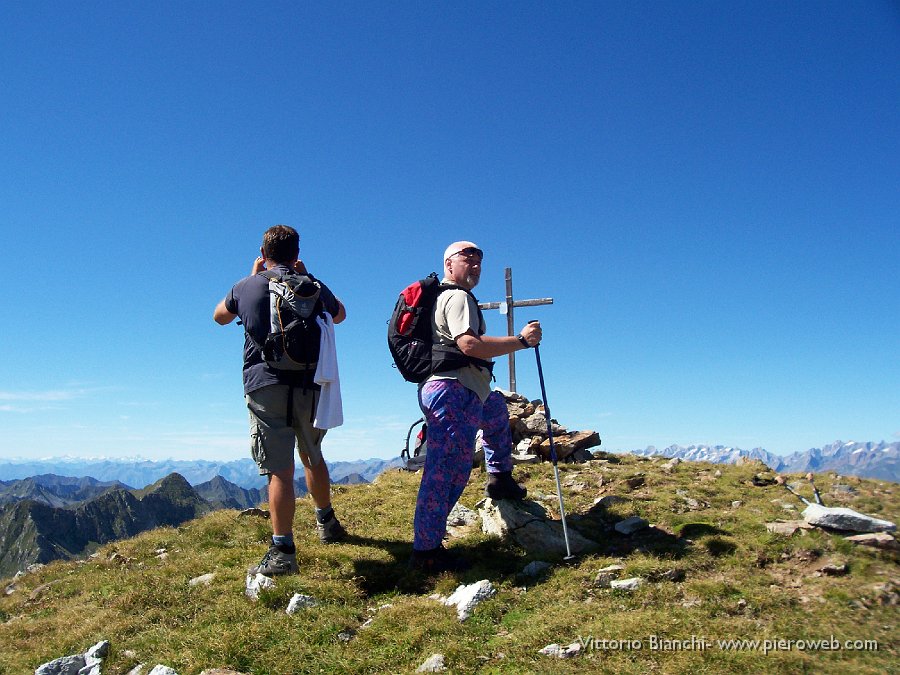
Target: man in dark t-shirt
<point>282,403</point>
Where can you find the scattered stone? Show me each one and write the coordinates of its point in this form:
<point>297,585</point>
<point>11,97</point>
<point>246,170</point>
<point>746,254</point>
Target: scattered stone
<point>221,671</point>
<point>77,664</point>
<point>256,583</point>
<point>737,504</point>
<point>788,527</point>
<point>695,505</point>
<point>887,593</point>
<point>674,575</point>
<point>634,482</point>
<point>300,601</point>
<point>262,513</point>
<point>877,539</point>
<point>535,568</point>
<point>610,500</point>
<point>38,592</point>
<point>607,575</point>
<point>631,584</point>
<point>631,525</point>
<point>669,466</point>
<point>65,665</point>
<point>466,598</point>
<point>160,669</point>
<point>461,515</point>
<point>204,579</point>
<point>345,635</point>
<point>718,473</point>
<point>842,518</point>
<point>835,569</point>
<point>433,664</point>
<point>562,652</point>
<point>763,480</point>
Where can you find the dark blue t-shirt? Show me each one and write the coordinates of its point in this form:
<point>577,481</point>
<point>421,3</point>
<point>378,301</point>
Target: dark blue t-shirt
<point>249,299</point>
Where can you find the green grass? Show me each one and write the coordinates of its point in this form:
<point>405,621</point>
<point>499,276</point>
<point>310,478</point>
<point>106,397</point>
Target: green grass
<point>740,582</point>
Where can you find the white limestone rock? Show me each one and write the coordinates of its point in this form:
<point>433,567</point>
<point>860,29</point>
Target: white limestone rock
<point>842,518</point>
<point>256,583</point>
<point>300,601</point>
<point>466,597</point>
<point>433,664</point>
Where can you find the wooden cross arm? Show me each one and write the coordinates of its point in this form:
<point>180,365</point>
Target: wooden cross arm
<point>517,303</point>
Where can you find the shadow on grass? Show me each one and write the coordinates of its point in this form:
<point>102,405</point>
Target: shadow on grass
<point>499,560</point>
<point>493,559</point>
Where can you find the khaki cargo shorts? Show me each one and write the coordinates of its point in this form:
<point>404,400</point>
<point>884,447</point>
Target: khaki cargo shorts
<point>272,441</point>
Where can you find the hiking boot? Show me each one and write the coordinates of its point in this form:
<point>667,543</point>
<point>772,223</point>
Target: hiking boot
<point>276,562</point>
<point>437,560</point>
<point>502,486</point>
<point>331,531</point>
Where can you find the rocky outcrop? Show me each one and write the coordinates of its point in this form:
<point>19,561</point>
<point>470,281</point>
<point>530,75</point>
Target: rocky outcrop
<point>528,524</point>
<point>531,440</point>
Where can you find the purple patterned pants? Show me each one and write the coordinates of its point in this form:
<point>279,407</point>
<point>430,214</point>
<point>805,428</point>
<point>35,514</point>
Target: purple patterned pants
<point>454,414</point>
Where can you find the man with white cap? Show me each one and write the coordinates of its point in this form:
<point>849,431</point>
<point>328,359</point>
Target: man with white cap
<point>457,400</point>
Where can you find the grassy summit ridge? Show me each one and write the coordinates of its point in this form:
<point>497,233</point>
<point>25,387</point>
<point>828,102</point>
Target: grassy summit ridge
<point>740,582</point>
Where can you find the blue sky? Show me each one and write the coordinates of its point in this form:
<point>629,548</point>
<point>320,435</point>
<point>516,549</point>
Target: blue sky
<point>710,191</point>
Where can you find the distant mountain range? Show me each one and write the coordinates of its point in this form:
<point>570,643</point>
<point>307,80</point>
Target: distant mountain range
<point>35,532</point>
<point>866,460</point>
<point>45,516</point>
<point>141,472</point>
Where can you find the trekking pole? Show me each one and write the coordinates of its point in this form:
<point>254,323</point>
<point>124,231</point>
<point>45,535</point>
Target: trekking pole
<point>562,509</point>
<point>818,497</point>
<point>780,480</point>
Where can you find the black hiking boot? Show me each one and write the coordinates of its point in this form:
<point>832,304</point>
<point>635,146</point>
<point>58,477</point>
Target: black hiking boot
<point>332,531</point>
<point>437,560</point>
<point>502,486</point>
<point>275,562</point>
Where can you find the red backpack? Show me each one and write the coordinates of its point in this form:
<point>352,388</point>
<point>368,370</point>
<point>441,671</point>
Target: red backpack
<point>410,337</point>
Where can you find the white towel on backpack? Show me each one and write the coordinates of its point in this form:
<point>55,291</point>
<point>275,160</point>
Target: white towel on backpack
<point>330,410</point>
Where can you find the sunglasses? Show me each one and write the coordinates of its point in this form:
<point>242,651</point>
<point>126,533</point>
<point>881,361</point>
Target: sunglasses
<point>469,252</point>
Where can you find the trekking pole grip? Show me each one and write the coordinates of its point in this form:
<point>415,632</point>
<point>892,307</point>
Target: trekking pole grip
<point>534,321</point>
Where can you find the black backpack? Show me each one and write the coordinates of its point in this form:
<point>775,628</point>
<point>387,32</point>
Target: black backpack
<point>409,333</point>
<point>294,335</point>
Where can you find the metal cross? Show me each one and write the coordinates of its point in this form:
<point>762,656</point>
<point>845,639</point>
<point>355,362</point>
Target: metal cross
<point>507,308</point>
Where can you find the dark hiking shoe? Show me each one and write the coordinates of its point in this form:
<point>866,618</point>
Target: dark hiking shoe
<point>502,486</point>
<point>437,560</point>
<point>276,562</point>
<point>331,531</point>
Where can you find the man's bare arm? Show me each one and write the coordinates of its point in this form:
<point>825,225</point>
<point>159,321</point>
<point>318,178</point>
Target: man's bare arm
<point>222,316</point>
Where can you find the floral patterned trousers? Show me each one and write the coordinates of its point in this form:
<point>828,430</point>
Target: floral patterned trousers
<point>454,414</point>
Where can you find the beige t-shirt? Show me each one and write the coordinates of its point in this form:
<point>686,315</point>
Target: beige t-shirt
<point>455,313</point>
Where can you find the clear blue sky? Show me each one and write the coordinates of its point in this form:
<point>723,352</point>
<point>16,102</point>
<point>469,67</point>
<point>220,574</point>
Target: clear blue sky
<point>710,191</point>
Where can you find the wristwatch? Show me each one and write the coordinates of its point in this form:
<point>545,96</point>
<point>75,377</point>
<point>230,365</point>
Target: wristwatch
<point>524,341</point>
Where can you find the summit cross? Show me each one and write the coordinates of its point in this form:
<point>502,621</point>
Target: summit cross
<point>506,307</point>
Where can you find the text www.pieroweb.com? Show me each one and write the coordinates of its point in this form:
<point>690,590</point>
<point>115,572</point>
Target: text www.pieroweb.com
<point>703,643</point>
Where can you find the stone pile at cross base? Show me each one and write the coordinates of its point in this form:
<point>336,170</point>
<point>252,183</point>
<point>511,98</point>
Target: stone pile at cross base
<point>531,441</point>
